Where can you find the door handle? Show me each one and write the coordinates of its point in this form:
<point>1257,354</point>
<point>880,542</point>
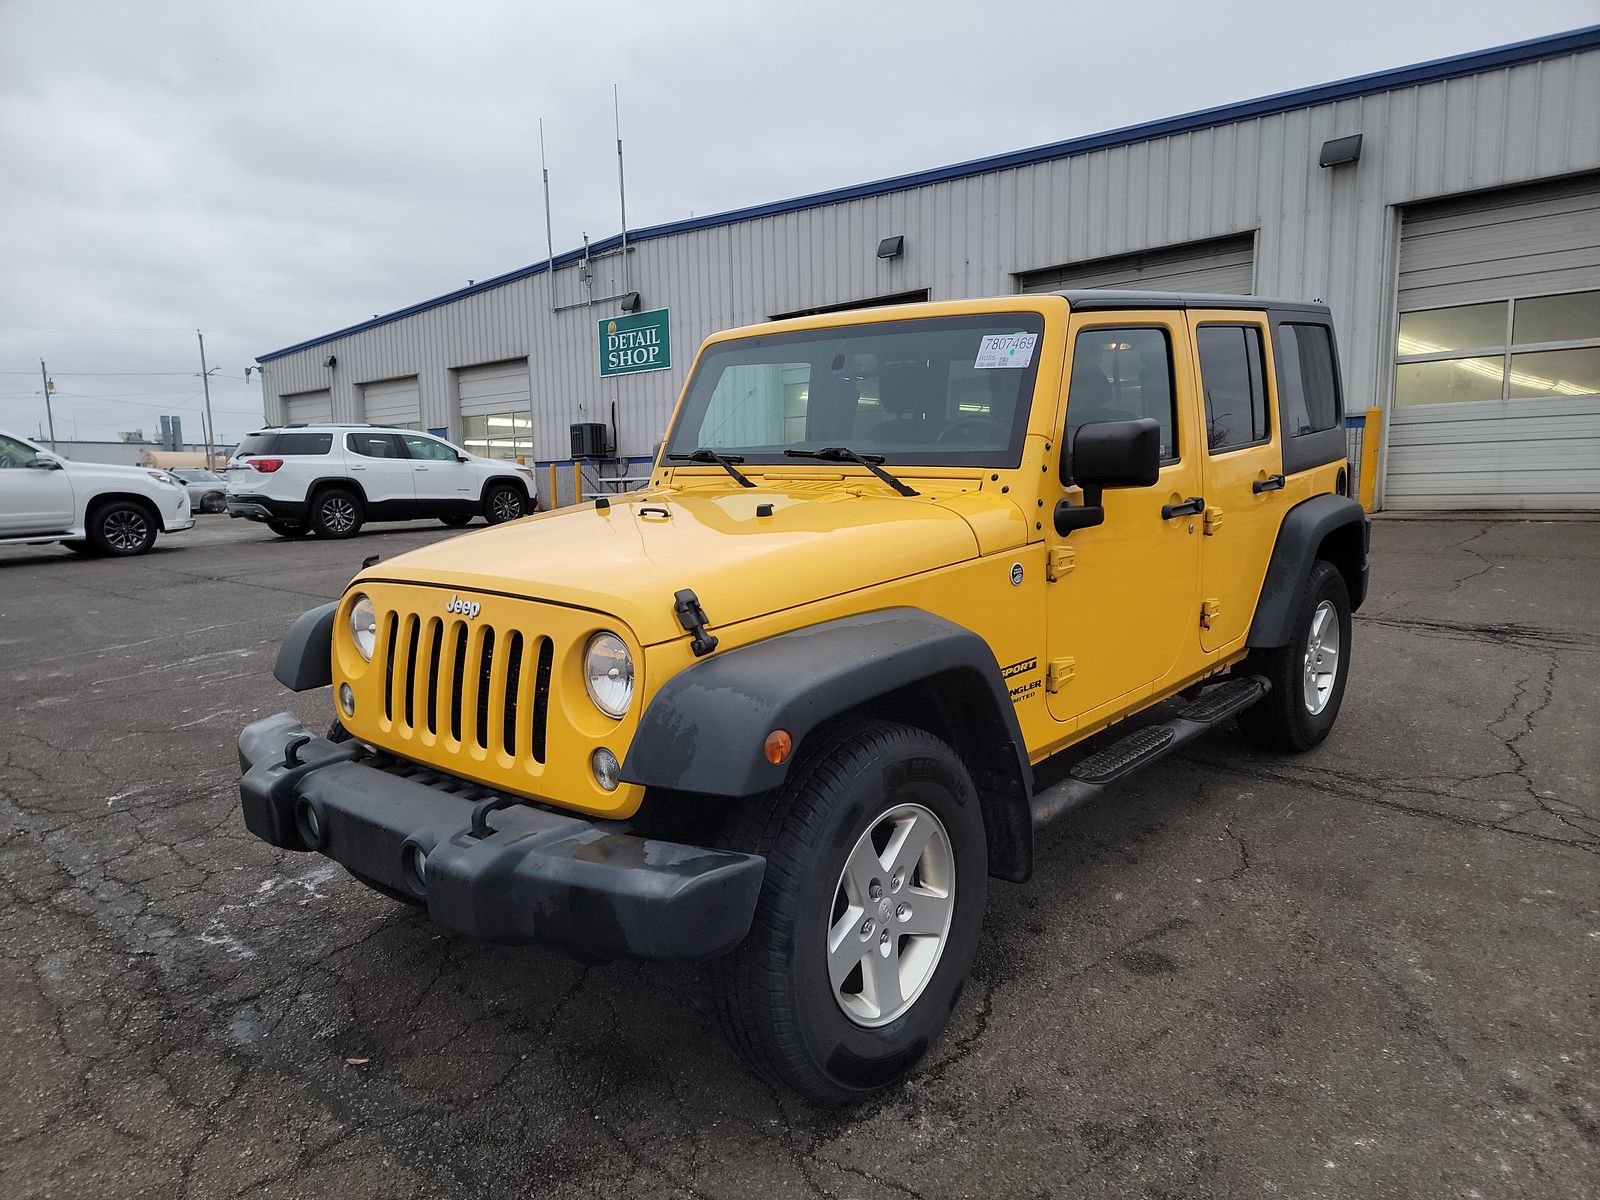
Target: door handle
<point>357,467</point>
<point>419,468</point>
<point>1270,484</point>
<point>1193,506</point>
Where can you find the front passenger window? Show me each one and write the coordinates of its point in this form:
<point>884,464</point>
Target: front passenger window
<point>1121,375</point>
<point>15,455</point>
<point>427,449</point>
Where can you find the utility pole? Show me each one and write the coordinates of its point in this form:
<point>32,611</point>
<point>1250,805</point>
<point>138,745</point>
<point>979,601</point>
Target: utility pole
<point>205,382</point>
<point>50,416</point>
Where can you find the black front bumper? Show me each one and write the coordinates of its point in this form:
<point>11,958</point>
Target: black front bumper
<point>536,875</point>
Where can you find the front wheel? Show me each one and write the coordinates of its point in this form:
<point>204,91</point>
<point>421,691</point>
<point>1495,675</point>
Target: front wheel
<point>121,527</point>
<point>1308,674</point>
<point>869,914</point>
<point>504,502</point>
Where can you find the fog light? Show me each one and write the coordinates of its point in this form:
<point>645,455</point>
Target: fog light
<point>347,699</point>
<point>308,824</point>
<point>607,770</point>
<point>415,861</point>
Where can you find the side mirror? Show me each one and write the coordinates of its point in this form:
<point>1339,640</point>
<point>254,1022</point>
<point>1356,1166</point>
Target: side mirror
<point>461,457</point>
<point>46,464</point>
<point>1109,454</point>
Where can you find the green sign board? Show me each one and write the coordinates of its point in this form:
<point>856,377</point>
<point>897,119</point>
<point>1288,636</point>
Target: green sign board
<point>635,342</point>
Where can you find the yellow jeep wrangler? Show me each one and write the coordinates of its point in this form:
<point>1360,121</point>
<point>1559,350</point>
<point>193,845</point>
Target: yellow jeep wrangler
<point>898,584</point>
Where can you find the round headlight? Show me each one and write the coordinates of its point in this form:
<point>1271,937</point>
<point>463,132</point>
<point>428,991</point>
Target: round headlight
<point>364,626</point>
<point>608,673</point>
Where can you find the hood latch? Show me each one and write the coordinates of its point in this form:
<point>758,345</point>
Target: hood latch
<point>693,618</point>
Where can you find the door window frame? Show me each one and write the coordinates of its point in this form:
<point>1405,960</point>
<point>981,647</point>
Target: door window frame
<point>1268,383</point>
<point>1064,467</point>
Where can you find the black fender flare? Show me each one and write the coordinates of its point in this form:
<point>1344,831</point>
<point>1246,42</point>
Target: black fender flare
<point>1301,536</point>
<point>305,660</point>
<point>704,731</point>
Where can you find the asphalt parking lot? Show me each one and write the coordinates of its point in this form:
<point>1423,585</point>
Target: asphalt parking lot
<point>1373,971</point>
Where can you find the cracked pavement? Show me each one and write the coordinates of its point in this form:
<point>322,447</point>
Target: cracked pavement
<point>1371,971</point>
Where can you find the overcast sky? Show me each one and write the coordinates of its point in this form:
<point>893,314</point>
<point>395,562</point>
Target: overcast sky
<point>270,172</point>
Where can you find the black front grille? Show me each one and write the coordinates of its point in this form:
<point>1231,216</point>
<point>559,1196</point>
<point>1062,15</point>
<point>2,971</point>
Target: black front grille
<point>475,670</point>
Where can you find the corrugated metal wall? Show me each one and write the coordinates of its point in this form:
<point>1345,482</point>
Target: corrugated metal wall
<point>1323,233</point>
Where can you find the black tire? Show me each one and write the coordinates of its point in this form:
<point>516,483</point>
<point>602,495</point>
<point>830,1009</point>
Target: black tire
<point>81,547</point>
<point>288,529</point>
<point>336,513</point>
<point>122,528</point>
<point>213,502</point>
<point>504,502</point>
<point>1284,720</point>
<point>774,996</point>
<point>456,522</point>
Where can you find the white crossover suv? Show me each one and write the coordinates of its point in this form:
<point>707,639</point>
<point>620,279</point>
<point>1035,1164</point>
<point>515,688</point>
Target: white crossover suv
<point>93,508</point>
<point>330,479</point>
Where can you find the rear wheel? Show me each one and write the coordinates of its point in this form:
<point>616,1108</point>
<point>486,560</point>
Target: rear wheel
<point>869,913</point>
<point>336,513</point>
<point>122,528</point>
<point>213,502</point>
<point>1308,674</point>
<point>288,529</point>
<point>504,502</point>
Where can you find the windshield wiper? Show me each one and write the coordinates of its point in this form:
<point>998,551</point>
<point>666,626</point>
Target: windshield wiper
<point>869,461</point>
<point>725,461</point>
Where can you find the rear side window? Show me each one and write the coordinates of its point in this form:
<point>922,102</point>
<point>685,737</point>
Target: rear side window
<point>1234,376</point>
<point>302,443</point>
<point>373,445</point>
<point>255,443</point>
<point>1309,392</point>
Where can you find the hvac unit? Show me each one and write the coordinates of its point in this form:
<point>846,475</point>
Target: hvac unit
<point>590,440</point>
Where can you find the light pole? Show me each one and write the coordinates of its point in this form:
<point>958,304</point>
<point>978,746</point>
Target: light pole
<point>49,416</point>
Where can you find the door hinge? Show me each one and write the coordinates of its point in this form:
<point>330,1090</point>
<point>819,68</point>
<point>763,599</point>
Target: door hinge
<point>1210,610</point>
<point>1213,520</point>
<point>1060,673</point>
<point>1059,565</point>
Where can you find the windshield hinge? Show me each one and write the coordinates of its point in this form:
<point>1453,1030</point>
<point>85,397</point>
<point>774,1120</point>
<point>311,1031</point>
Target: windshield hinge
<point>693,619</point>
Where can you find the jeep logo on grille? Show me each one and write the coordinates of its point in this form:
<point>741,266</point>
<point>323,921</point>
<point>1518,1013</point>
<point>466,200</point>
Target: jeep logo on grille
<point>470,608</point>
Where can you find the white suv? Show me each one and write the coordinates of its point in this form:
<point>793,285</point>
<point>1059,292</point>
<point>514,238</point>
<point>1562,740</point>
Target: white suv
<point>329,479</point>
<point>93,508</point>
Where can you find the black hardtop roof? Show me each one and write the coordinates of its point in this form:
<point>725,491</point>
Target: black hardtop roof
<point>1091,299</point>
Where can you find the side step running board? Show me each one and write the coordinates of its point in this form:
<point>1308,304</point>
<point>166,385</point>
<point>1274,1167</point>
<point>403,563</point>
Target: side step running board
<point>1090,777</point>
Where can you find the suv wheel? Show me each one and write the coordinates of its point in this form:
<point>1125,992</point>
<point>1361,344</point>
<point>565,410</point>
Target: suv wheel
<point>336,513</point>
<point>213,502</point>
<point>869,915</point>
<point>456,522</point>
<point>121,527</point>
<point>504,502</point>
<point>288,529</point>
<point>1307,675</point>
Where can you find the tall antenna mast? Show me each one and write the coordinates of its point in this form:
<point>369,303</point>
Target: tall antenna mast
<point>549,241</point>
<point>622,190</point>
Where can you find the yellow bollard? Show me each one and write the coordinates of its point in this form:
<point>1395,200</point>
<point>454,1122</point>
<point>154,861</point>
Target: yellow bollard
<point>555,496</point>
<point>1371,441</point>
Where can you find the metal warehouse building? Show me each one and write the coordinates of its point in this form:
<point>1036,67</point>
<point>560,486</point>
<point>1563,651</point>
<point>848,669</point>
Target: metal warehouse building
<point>1449,213</point>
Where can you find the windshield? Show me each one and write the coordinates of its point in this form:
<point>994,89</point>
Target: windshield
<point>940,391</point>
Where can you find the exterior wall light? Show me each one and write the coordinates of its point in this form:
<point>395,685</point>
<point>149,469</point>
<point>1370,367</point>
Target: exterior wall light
<point>1340,150</point>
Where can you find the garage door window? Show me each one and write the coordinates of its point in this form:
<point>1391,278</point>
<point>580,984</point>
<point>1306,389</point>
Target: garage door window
<point>1531,348</point>
<point>498,435</point>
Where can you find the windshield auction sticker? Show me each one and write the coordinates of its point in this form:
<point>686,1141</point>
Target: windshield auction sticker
<point>1001,350</point>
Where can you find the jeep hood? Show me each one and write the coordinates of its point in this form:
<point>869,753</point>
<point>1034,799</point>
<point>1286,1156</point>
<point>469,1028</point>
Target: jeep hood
<point>628,560</point>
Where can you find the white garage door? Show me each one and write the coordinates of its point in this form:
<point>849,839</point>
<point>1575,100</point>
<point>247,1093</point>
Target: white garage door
<point>308,408</point>
<point>1225,265</point>
<point>1497,364</point>
<point>496,414</point>
<point>393,402</point>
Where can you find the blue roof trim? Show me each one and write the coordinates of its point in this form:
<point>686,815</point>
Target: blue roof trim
<point>1472,63</point>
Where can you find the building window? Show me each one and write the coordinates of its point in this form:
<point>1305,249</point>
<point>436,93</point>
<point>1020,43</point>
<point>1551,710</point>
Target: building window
<point>498,435</point>
<point>1537,347</point>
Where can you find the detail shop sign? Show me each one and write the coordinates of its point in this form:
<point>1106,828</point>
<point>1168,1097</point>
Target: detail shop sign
<point>635,342</point>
